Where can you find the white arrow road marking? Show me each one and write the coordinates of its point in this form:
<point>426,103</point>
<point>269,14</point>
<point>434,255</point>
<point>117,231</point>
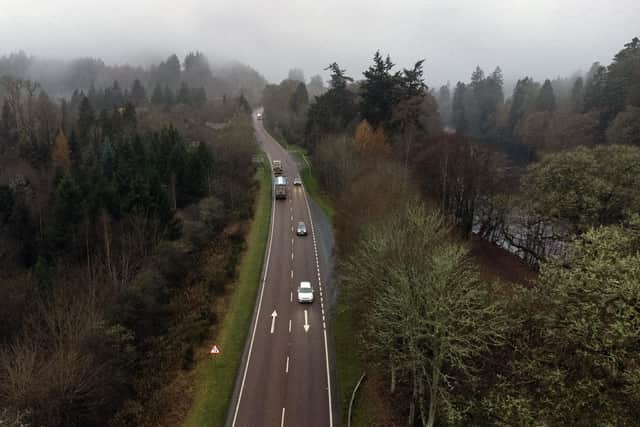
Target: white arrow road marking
<point>273,320</point>
<point>306,322</point>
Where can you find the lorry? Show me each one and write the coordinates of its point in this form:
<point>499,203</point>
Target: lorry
<point>277,167</point>
<point>280,187</point>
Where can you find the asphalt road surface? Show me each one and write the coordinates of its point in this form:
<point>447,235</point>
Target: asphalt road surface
<point>285,378</point>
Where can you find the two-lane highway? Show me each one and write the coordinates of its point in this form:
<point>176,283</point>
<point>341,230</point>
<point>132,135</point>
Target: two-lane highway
<point>285,376</point>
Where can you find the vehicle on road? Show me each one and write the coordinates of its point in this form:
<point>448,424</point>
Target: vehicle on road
<point>305,292</point>
<point>277,167</point>
<point>301,229</point>
<point>259,116</point>
<point>280,187</point>
<point>297,181</point>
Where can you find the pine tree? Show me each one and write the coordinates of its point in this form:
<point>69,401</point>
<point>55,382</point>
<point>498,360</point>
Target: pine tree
<point>138,93</point>
<point>158,97</point>
<point>184,95</point>
<point>300,99</point>
<point>243,104</point>
<point>577,95</point>
<point>546,100</point>
<point>168,96</point>
<point>379,91</point>
<point>86,118</point>
<point>458,110</point>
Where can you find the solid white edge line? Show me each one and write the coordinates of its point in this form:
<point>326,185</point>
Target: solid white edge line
<point>326,347</point>
<point>255,325</point>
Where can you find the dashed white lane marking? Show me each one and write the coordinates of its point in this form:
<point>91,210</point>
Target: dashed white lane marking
<point>289,325</point>
<point>324,325</point>
<point>282,419</point>
<point>292,274</point>
<point>291,296</point>
<point>286,368</point>
<point>291,256</point>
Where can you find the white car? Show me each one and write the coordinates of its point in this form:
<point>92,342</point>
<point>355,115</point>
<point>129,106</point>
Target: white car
<point>305,292</point>
<point>259,116</point>
<point>297,181</point>
<point>301,229</point>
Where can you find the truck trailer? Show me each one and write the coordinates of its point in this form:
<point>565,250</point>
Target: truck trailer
<point>280,187</point>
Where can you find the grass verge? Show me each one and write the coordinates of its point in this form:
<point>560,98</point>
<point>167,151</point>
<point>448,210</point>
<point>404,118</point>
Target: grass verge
<point>215,377</point>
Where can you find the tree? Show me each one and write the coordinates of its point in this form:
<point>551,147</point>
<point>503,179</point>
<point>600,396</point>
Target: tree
<point>315,86</point>
<point>168,96</point>
<point>625,128</point>
<point>300,99</point>
<point>138,93</point>
<point>379,91</point>
<point>296,74</point>
<point>86,118</point>
<point>184,95</point>
<point>458,111</point>
<point>244,106</point>
<point>333,111</point>
<point>546,100</point>
<point>594,89</point>
<point>577,95</point>
<point>60,153</point>
<point>444,104</point>
<point>430,315</point>
<point>524,96</point>
<point>583,187</point>
<point>158,97</point>
<point>584,367</point>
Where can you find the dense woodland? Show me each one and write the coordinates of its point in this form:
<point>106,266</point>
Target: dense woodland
<point>61,78</point>
<point>418,176</point>
<point>122,216</point>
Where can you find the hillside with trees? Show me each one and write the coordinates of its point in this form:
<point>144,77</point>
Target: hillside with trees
<point>122,217</point>
<point>432,189</point>
<point>61,78</point>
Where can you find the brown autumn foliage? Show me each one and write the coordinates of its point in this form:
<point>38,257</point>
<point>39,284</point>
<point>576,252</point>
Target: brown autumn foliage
<point>60,153</point>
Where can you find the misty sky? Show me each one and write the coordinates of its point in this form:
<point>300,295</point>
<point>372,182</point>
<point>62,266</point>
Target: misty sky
<point>542,38</point>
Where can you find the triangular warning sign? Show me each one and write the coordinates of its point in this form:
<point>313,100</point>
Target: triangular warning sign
<point>215,350</point>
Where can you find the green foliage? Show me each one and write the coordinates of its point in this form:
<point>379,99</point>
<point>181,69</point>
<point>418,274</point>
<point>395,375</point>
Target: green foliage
<point>585,187</point>
<point>332,112</point>
<point>625,128</point>
<point>429,314</point>
<point>546,100</point>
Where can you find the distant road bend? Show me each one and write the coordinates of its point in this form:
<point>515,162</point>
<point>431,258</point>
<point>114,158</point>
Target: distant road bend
<point>284,378</point>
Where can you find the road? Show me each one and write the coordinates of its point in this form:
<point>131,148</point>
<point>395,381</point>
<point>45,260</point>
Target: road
<point>285,376</point>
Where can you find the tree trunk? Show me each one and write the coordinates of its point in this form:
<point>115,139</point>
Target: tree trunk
<point>414,398</point>
<point>393,379</point>
<point>433,390</point>
<point>173,191</point>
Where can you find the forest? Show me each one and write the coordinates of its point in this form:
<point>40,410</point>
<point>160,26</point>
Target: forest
<point>429,184</point>
<point>123,210</point>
